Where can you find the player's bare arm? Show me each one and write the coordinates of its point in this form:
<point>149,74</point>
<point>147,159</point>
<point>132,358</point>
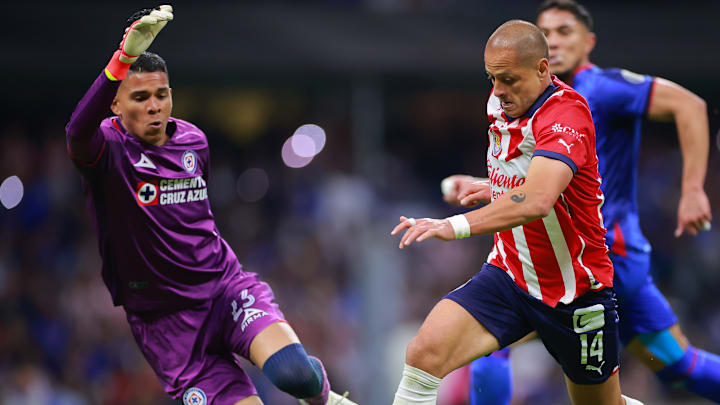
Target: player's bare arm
<point>669,102</point>
<point>546,179</point>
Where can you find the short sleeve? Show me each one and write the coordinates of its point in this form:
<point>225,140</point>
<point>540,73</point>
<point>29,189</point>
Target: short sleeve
<point>564,131</point>
<point>628,92</point>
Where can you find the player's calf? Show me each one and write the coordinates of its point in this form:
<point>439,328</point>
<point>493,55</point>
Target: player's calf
<point>677,363</point>
<point>697,371</point>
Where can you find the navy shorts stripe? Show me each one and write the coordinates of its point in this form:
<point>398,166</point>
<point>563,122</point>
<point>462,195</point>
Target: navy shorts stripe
<point>582,336</point>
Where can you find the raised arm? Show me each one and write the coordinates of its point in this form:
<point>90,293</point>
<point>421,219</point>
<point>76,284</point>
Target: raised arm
<point>84,139</point>
<point>670,101</point>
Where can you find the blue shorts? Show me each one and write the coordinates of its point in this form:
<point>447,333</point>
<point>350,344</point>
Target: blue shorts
<point>582,336</point>
<point>642,307</point>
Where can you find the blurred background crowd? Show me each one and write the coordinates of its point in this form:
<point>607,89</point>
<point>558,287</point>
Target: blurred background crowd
<point>399,88</point>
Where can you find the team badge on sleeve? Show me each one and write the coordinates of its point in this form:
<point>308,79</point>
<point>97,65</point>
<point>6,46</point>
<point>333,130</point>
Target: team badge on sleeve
<point>189,161</point>
<point>147,193</point>
<point>194,396</point>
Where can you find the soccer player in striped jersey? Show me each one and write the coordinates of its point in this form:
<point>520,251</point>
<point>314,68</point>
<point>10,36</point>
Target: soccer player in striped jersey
<point>191,307</point>
<point>619,101</point>
<point>549,270</point>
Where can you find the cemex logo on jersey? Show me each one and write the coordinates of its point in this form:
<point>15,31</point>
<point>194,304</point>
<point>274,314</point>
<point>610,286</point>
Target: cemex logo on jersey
<point>171,191</point>
<point>147,193</point>
<point>564,129</point>
<point>250,314</point>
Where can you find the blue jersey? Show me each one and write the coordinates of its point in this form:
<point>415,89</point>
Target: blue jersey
<point>618,101</point>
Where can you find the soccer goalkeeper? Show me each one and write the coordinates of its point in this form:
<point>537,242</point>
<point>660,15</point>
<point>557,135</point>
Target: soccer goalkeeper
<point>190,305</point>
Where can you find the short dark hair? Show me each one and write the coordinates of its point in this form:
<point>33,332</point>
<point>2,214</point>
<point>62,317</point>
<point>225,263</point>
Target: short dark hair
<point>578,10</point>
<point>149,62</point>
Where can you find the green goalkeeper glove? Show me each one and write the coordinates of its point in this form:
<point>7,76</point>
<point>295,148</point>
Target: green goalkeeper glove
<point>144,27</point>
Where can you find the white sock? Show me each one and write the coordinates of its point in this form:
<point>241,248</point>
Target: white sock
<point>630,401</point>
<point>417,387</point>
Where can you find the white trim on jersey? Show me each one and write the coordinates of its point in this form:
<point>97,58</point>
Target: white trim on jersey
<point>562,255</point>
<point>531,278</point>
<point>594,284</point>
<point>499,247</point>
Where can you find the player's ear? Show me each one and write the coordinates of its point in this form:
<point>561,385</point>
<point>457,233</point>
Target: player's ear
<point>590,40</point>
<point>114,107</point>
<point>542,67</point>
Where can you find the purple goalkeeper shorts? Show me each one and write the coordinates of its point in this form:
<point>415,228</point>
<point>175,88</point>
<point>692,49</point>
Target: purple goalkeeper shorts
<point>192,350</point>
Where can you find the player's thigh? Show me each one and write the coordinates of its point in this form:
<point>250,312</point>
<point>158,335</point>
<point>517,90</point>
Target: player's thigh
<point>217,379</point>
<point>660,349</point>
<point>271,339</point>
<point>606,393</point>
<point>251,323</point>
<point>582,336</point>
<point>449,338</point>
<point>253,400</point>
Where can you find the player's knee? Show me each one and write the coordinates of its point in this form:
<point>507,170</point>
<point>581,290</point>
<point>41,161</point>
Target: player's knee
<point>292,371</point>
<point>422,353</point>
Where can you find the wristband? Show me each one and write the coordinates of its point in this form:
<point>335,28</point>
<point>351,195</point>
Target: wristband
<point>460,226</point>
<point>117,70</point>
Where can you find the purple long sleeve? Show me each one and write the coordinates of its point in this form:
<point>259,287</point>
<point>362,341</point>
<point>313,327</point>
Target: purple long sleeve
<point>84,138</point>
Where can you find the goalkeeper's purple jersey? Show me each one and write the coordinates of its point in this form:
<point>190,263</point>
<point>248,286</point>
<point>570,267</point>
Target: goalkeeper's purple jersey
<point>159,244</point>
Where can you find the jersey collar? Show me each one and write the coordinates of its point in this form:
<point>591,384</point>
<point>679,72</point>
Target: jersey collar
<point>171,126</point>
<point>585,66</point>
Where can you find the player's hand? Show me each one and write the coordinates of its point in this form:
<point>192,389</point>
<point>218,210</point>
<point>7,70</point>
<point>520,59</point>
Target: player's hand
<point>453,185</point>
<point>423,228</point>
<point>693,213</point>
<point>472,193</point>
<point>144,27</point>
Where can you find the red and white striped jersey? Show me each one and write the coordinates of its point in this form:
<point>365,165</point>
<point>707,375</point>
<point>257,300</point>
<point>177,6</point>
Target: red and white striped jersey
<point>562,256</point>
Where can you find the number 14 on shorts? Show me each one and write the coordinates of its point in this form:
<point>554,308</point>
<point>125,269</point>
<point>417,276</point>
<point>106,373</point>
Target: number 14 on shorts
<point>586,320</point>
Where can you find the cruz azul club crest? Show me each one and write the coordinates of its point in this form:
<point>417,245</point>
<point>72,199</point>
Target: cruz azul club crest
<point>496,142</point>
<point>194,396</point>
<point>189,161</point>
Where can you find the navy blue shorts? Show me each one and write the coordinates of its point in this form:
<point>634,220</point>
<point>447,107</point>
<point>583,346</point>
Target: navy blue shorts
<point>582,336</point>
<point>643,308</point>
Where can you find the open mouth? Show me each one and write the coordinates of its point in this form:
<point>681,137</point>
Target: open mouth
<point>556,59</point>
<point>156,124</point>
<point>506,104</point>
